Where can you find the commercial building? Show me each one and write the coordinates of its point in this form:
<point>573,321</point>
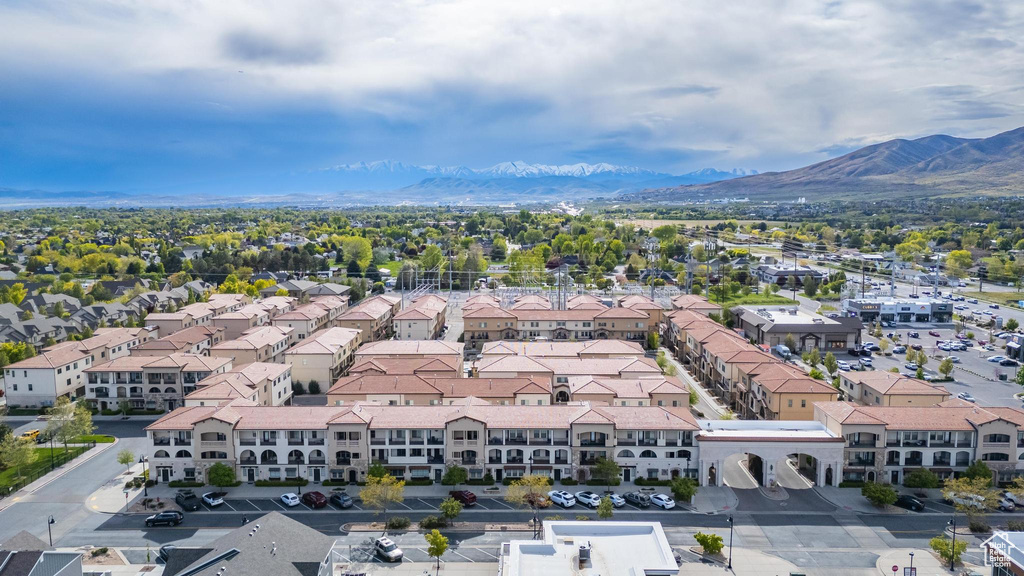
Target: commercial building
<point>904,310</point>
<point>780,274</point>
<point>324,356</point>
<point>770,325</point>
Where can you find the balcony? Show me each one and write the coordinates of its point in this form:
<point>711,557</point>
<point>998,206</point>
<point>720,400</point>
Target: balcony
<point>673,442</point>
<point>648,442</point>
<point>625,441</point>
<point>435,441</point>
<point>591,442</point>
<point>102,394</point>
<point>861,444</point>
<point>495,441</point>
<point>560,441</point>
<point>416,442</point>
<point>182,441</point>
<point>436,459</point>
<point>213,443</point>
<point>516,441</point>
<point>913,462</point>
<point>941,462</point>
<point>396,440</point>
<point>295,441</point>
<point>861,462</point>
<point>379,460</point>
<point>588,461</point>
<point>541,461</point>
<point>494,460</point>
<point>468,461</point>
<point>161,441</point>
<point>377,441</point>
<point>247,442</point>
<point>561,460</point>
<point>313,460</point>
<point>315,442</point>
<point>296,461</point>
<point>514,460</point>
<point>940,443</point>
<point>247,461</point>
<point>540,441</point>
<point>343,461</point>
<point>268,442</point>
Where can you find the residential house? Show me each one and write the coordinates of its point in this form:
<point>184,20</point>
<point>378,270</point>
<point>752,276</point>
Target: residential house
<point>260,344</point>
<point>194,340</point>
<point>264,383</point>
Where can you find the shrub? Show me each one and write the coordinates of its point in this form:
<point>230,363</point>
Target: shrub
<point>921,478</point>
<point>99,552</point>
<point>508,480</point>
<point>879,494</point>
<point>419,482</point>
<point>608,482</point>
<point>282,483</point>
<point>569,482</point>
<point>650,482</point>
<point>1015,525</point>
<point>944,548</point>
<point>297,389</point>
<point>711,543</point>
<point>553,518</point>
<point>582,518</point>
<point>979,527</point>
<point>852,484</point>
<point>398,523</point>
<point>314,387</point>
<point>429,522</point>
<point>184,484</point>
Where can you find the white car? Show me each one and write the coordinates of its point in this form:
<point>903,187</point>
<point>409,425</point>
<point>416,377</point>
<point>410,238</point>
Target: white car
<point>617,501</point>
<point>866,363</point>
<point>843,365</point>
<point>1015,498</point>
<point>663,501</point>
<point>996,358</point>
<point>966,397</point>
<point>954,359</point>
<point>290,499</point>
<point>562,498</point>
<point>387,549</point>
<point>214,499</point>
<point>588,498</point>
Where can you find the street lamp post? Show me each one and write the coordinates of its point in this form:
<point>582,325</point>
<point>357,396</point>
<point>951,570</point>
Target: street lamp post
<point>145,478</point>
<point>50,522</point>
<point>730,543</point>
<point>911,564</point>
<point>687,466</point>
<point>952,550</point>
<point>51,453</point>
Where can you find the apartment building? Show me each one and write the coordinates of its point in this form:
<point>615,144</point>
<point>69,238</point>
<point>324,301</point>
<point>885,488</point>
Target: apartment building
<point>413,390</point>
<point>644,304</point>
<point>559,371</point>
<point>198,314</point>
<point>238,321</point>
<point>305,320</point>
<point>224,303</point>
<point>423,319</point>
<point>771,325</point>
<point>38,381</point>
<point>263,383</point>
<point>543,349</point>
<point>194,340</point>
<point>451,353</point>
<point>373,317</point>
<point>275,305</point>
<point>885,443</point>
<point>149,382</point>
<point>261,344</point>
<point>444,367</point>
<point>324,356</point>
<point>340,442</point>
<point>883,388</point>
<point>653,391</point>
<point>485,324</point>
<point>695,303</point>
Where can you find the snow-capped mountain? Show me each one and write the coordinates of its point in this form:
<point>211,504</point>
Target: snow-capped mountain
<point>516,169</point>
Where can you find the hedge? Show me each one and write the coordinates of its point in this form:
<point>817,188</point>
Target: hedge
<point>649,482</point>
<point>612,482</point>
<point>508,480</point>
<point>569,482</point>
<point>270,483</point>
<point>480,482</point>
<point>184,484</point>
<point>852,484</point>
<point>419,482</point>
<point>398,523</point>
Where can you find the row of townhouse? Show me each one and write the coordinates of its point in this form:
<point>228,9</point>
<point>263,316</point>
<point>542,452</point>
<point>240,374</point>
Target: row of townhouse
<point>149,382</point>
<point>194,340</point>
<point>341,442</point>
<point>260,344</point>
<point>489,323</point>
<point>448,353</point>
<point>423,319</point>
<point>324,356</point>
<point>321,312</point>
<point>263,383</point>
<point>885,443</point>
<point>373,317</point>
<point>300,289</point>
<point>751,382</point>
<point>197,313</point>
<point>415,390</point>
<point>562,372</point>
<point>442,367</point>
<point>58,370</point>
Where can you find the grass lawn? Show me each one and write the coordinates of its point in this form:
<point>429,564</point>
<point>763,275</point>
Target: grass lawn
<point>39,465</point>
<point>752,299</point>
<point>998,297</point>
<point>394,266</point>
<point>97,438</point>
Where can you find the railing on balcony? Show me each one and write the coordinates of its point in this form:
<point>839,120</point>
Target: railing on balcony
<point>560,441</point>
<point>296,461</point>
<point>495,441</point>
<point>161,441</point>
<point>436,441</point>
<point>515,440</point>
<point>377,441</point>
<point>514,460</point>
<point>379,460</point>
<point>313,460</point>
<point>941,462</point>
<point>247,441</point>
<point>648,442</point>
<point>540,441</point>
<point>592,442</point>
<point>436,459</point>
<point>861,462</point>
<point>315,441</point>
<point>247,461</point>
<point>468,461</point>
<point>268,441</point>
<point>626,441</point>
<point>295,441</point>
<point>913,462</point>
<point>561,460</point>
<point>861,443</point>
<point>342,461</point>
<point>416,441</point>
<point>541,461</point>
<point>182,441</point>
<point>588,461</point>
<point>494,460</point>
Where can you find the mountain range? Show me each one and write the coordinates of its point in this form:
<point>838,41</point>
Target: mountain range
<point>937,165</point>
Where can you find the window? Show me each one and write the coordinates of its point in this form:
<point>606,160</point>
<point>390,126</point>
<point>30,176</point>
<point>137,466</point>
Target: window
<point>790,403</point>
<point>803,403</point>
<point>997,438</point>
<point>995,457</point>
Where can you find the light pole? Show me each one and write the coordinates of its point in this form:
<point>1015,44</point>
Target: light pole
<point>730,543</point>
<point>911,564</point>
<point>50,522</point>
<point>145,478</point>
<point>952,550</point>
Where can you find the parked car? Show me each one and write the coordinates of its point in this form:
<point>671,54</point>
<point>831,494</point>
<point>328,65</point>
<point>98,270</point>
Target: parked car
<point>915,346</point>
<point>899,350</point>
<point>165,551</point>
<point>30,435</point>
<point>464,497</point>
<point>966,397</point>
<point>1006,505</point>
<point>290,499</point>
<point>1015,498</point>
<point>972,300</point>
<point>588,498</point>
<point>910,503</point>
<point>214,499</point>
<point>165,519</point>
<point>866,363</point>
<point>994,306</point>
<point>910,366</point>
<point>871,346</point>
<point>387,549</point>
<point>314,499</point>
<point>562,498</point>
<point>853,352</point>
<point>638,499</point>
<point>342,500</point>
<point>617,501</point>
<point>663,501</point>
<point>187,499</point>
<point>864,352</point>
<point>954,359</point>
<point>966,500</point>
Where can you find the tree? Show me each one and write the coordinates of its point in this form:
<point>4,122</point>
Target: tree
<point>381,492</point>
<point>437,545</point>
<point>221,475</point>
<point>790,343</point>
<point>605,509</point>
<point>883,346</point>
<point>879,494</point>
<point>454,475</point>
<point>606,470</point>
<point>82,425</point>
<point>16,452</point>
<point>810,286</point>
<point>1012,324</point>
<point>684,489</point>
<point>946,367</point>
<point>921,478</point>
<point>126,457</point>
<point>314,387</point>
<point>376,470</point>
<point>944,548</point>
<point>530,491</point>
<point>694,398</point>
<point>957,263</point>
<point>791,284</point>
<point>831,364</point>
<point>450,508</point>
<point>61,425</point>
<point>812,358</point>
<point>712,544</point>
<point>978,470</point>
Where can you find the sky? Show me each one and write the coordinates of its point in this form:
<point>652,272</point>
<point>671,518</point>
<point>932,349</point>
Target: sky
<point>163,94</point>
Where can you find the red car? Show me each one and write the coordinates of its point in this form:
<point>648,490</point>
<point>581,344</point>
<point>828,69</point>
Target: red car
<point>314,499</point>
<point>934,333</point>
<point>465,497</point>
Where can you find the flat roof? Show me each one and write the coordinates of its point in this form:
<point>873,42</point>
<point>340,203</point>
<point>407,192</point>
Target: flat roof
<point>614,548</point>
<point>765,430</point>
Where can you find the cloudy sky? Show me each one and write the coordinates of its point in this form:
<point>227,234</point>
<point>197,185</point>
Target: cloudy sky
<point>130,94</point>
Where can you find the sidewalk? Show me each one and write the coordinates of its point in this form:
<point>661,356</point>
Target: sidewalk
<point>926,562</point>
<point>851,500</point>
<point>705,397</point>
<point>110,498</point>
<point>55,474</point>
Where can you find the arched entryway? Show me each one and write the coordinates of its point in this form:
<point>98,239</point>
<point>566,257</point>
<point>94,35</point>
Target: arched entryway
<point>712,476</point>
<point>562,396</point>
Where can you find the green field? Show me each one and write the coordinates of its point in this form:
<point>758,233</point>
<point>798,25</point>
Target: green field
<point>997,297</point>
<point>394,267</point>
<point>90,438</point>
<point>752,299</point>
<point>39,465</point>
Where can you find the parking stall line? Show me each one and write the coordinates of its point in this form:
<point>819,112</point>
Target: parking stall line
<point>253,505</point>
<point>407,507</point>
<point>283,507</point>
<point>461,556</point>
<point>356,506</point>
<point>230,506</point>
<point>488,553</point>
<point>425,504</point>
<point>496,501</point>
<point>303,504</point>
<point>478,503</point>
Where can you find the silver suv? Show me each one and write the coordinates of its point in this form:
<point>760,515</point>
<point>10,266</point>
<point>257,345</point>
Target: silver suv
<point>387,549</point>
<point>562,498</point>
<point>588,498</point>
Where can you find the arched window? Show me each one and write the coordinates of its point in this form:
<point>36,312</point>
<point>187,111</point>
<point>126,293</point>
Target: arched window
<point>183,454</point>
<point>494,456</point>
<point>997,438</point>
<point>170,390</point>
<point>247,457</point>
<point>268,457</point>
<point>648,454</point>
<point>296,457</point>
<point>684,454</point>
<point>963,458</point>
<point>161,454</point>
<point>154,390</point>
<point>626,454</point>
<point>995,457</point>
<point>343,457</point>
<point>317,457</point>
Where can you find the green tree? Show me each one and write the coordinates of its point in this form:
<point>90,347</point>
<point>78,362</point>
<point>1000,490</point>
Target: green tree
<point>972,496</point>
<point>712,544</point>
<point>607,471</point>
<point>791,285</point>
<point>684,489</point>
<point>831,364</point>
<point>221,475</point>
<point>978,470</point>
<point>605,509</point>
<point>1012,324</point>
<point>946,367</point>
<point>381,492</point>
<point>437,545</point>
<point>529,491</point>
<point>921,478</point>
<point>810,287</point>
<point>812,358</point>
<point>945,549</point>
<point>958,262</point>
<point>314,387</point>
<point>126,457</point>
<point>454,475</point>
<point>376,470</point>
<point>16,452</point>
<point>790,343</point>
<point>450,508</point>
<point>82,425</point>
<point>879,494</point>
<point>61,424</point>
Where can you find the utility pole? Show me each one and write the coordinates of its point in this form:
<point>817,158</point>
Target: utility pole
<point>892,284</point>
